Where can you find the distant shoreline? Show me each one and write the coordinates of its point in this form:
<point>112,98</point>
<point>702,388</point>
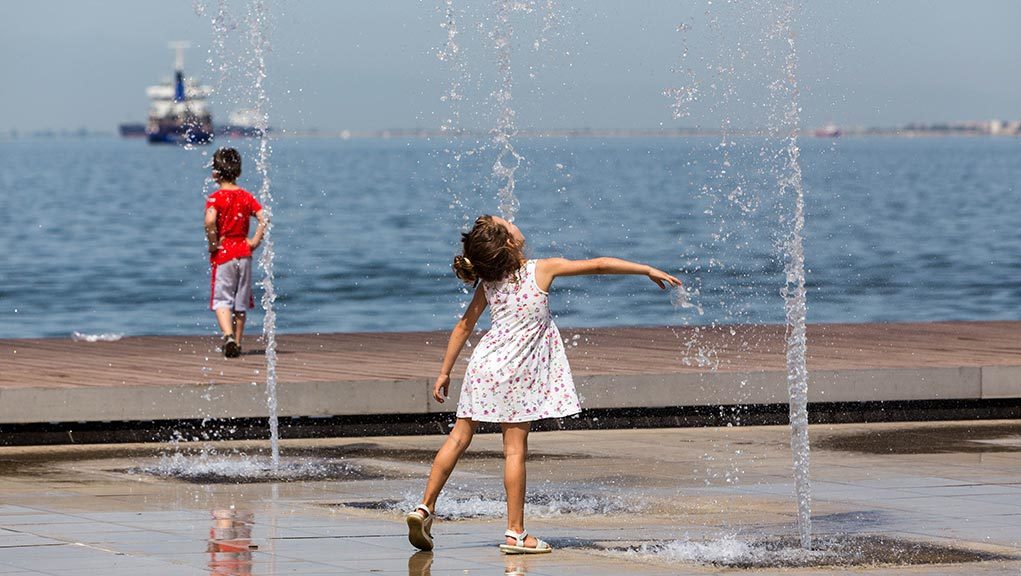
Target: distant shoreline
<point>396,134</point>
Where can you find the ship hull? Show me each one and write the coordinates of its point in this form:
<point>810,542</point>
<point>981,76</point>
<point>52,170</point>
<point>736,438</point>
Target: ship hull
<point>131,130</point>
<point>179,137</point>
<point>178,133</point>
<point>232,131</point>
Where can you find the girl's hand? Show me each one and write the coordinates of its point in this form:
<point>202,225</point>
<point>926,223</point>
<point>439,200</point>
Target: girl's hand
<point>661,278</point>
<point>441,388</point>
<point>252,243</point>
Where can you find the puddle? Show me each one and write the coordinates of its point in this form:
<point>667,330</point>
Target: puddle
<point>537,505</point>
<point>784,552</point>
<point>232,465</point>
<point>858,520</point>
<point>935,439</point>
<point>1012,441</point>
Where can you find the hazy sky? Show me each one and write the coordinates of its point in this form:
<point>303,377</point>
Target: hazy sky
<point>372,65</point>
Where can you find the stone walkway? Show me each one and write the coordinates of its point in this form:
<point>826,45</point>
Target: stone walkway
<point>181,377</point>
<point>683,493</point>
<point>390,356</point>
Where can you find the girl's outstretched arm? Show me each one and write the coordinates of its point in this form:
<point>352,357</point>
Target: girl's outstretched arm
<point>548,269</point>
<point>462,330</point>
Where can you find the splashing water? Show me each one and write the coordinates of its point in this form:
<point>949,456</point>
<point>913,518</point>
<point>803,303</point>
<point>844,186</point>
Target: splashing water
<point>550,23</point>
<point>451,54</point>
<point>259,16</point>
<point>682,97</point>
<point>794,267</point>
<point>454,97</point>
<point>210,466</point>
<point>727,551</point>
<point>223,24</point>
<point>228,57</point>
<point>686,298</point>
<point>104,337</point>
<point>507,159</point>
<point>537,505</point>
<point>749,182</point>
<point>483,96</point>
<point>728,207</point>
<point>832,551</point>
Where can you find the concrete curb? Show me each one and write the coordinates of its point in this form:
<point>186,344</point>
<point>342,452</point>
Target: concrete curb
<point>413,397</point>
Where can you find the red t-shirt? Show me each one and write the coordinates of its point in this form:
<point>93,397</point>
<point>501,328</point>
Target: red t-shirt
<point>234,210</point>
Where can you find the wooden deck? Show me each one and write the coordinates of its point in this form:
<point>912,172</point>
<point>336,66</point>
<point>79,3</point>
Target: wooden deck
<point>183,360</point>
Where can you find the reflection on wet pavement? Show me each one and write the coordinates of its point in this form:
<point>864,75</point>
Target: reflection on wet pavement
<point>230,543</point>
<point>420,564</point>
<point>943,438</point>
<point>515,566</point>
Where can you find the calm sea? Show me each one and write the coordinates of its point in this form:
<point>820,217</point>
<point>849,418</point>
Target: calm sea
<point>105,236</point>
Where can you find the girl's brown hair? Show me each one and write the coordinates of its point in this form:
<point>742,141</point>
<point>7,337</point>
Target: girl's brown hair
<point>490,253</point>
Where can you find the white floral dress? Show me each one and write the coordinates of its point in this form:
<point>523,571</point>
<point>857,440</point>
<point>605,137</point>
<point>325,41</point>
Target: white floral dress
<point>518,372</point>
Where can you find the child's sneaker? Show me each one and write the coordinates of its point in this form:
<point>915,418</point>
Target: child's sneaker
<point>231,349</point>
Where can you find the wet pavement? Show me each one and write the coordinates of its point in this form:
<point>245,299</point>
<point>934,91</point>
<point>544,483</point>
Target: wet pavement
<point>945,497</point>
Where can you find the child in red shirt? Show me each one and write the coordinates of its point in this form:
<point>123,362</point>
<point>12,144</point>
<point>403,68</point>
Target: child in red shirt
<point>228,211</point>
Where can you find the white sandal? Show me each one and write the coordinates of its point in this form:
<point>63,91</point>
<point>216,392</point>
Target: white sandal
<point>519,546</point>
<point>420,524</point>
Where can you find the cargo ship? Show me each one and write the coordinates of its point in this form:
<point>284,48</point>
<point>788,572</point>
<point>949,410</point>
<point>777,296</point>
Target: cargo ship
<point>243,123</point>
<point>132,130</point>
<point>178,113</point>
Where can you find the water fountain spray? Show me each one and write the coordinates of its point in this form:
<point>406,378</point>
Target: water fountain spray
<point>790,183</point>
<point>451,54</point>
<point>734,195</point>
<point>251,86</point>
<point>258,35</point>
<point>507,160</point>
<point>453,97</point>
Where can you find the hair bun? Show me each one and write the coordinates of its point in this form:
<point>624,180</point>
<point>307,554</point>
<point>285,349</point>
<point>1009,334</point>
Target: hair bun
<point>464,269</point>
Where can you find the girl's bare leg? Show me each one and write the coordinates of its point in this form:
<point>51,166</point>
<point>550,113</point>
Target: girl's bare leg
<point>515,449</point>
<point>457,442</point>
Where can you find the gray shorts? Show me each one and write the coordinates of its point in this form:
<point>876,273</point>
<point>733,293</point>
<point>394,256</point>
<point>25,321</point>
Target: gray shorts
<point>232,285</point>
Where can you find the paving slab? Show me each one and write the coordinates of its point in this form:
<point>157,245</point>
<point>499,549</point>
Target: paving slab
<point>598,496</point>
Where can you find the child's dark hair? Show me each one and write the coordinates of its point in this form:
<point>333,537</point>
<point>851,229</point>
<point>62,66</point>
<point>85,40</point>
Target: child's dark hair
<point>490,253</point>
<point>227,165</point>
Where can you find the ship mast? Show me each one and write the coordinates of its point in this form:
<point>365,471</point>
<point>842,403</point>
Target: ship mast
<point>179,47</point>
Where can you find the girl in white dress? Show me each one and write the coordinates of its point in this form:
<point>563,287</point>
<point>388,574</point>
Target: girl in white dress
<point>518,372</point>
